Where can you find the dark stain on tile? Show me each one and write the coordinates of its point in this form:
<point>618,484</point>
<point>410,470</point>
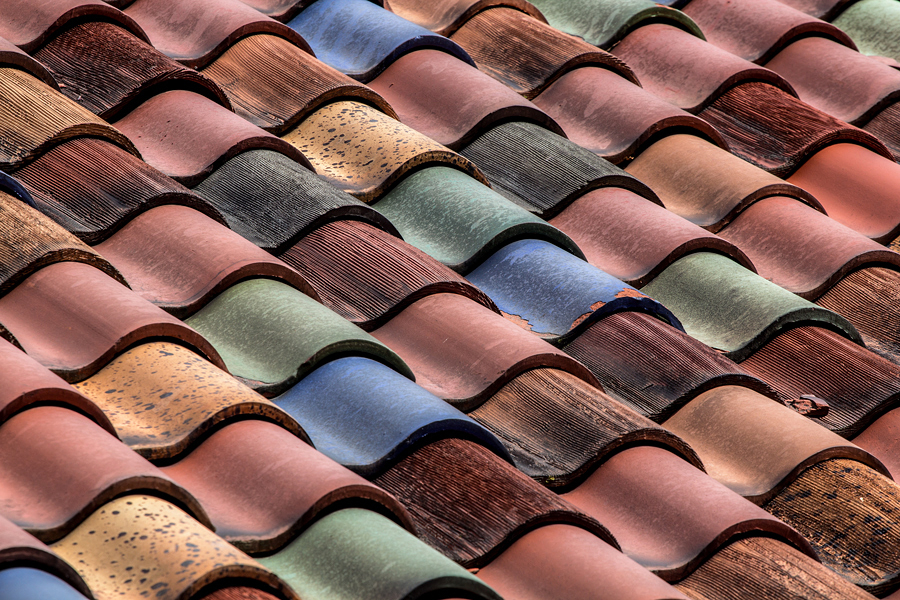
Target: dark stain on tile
<point>447,16</point>
<point>871,24</point>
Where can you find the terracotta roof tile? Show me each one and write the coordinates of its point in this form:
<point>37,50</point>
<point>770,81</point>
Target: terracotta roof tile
<point>447,16</point>
<point>12,56</point>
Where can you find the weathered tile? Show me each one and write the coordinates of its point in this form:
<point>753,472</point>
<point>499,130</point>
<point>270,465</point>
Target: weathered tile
<point>533,54</point>
<point>280,10</point>
<point>449,101</point>
<point>196,34</point>
<point>622,121</point>
<point>20,548</point>
<point>884,127</point>
<point>471,505</point>
<point>35,117</point>
<point>547,291</point>
<point>732,309</point>
<point>367,416</point>
<point>543,171</point>
<point>188,136</point>
<point>274,84</point>
<point>368,276</point>
<point>271,335</point>
<point>12,56</point>
<point>92,188</point>
<point>823,9</point>
<point>132,69</point>
<point>357,554</point>
<point>361,39</point>
<point>634,239</point>
<point>162,399</point>
<point>668,515</point>
<point>872,25</point>
<point>273,201</point>
<point>458,221</point>
<point>58,467</point>
<point>178,259</point>
<point>364,152</point>
<point>232,473</point>
<point>755,446</point>
<point>462,352</point>
<point>24,583</point>
<point>73,319</point>
<point>563,560</point>
<point>141,546</point>
<point>558,428</point>
<point>447,16</point>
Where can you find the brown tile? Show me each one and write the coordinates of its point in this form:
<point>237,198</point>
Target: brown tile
<point>238,593</point>
<point>59,467</point>
<point>882,439</point>
<point>275,85</point>
<point>533,54</point>
<point>449,101</point>
<point>259,510</point>
<point>196,34</point>
<point>63,317</point>
<point>187,136</point>
<point>668,515</point>
<point>12,56</point>
<point>462,352</point>
<point>368,276</point>
<point>884,125</point>
<point>132,69</point>
<point>470,505</point>
<point>619,123</point>
<point>179,259</point>
<point>446,16</point>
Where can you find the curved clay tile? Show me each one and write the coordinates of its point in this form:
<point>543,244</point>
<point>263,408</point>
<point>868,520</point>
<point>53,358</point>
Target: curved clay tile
<point>755,446</point>
<point>779,133</point>
<point>273,201</point>
<point>58,467</point>
<point>132,70</point>
<point>272,335</point>
<point>634,239</point>
<point>34,117</point>
<point>655,368</point>
<point>460,222</point>
<point>604,24</point>
<point>93,188</point>
<point>447,16</point>
<point>29,24</point>
<point>858,385</point>
<point>885,125</point>
<point>230,473</point>
<point>826,10</point>
<point>532,54</point>
<point>668,515</point>
<point>179,259</point>
<point>367,417</point>
<point>274,85</point>
<point>30,241</point>
<point>861,547</point>
<point>451,102</point>
<point>188,136</point>
<point>13,187</point>
<point>756,30</point>
<point>162,399</point>
<point>368,276</point>
<point>20,548</point>
<point>528,163</point>
<point>732,309</point>
<point>707,185</point>
<point>462,352</point>
<point>196,33</point>
<point>882,440</point>
<point>873,26</point>
<point>470,505</point>
<point>563,561</point>
<point>558,429</point>
<point>845,177</point>
<point>73,319</point>
<point>361,39</point>
<point>759,567</point>
<point>23,583</point>
<point>686,70</point>
<point>838,80</point>
<point>24,382</point>
<point>365,153</point>
<point>549,292</point>
<point>180,555</point>
<point>12,56</point>
<point>280,10</point>
<point>621,121</point>
<point>357,553</point>
<point>801,249</point>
